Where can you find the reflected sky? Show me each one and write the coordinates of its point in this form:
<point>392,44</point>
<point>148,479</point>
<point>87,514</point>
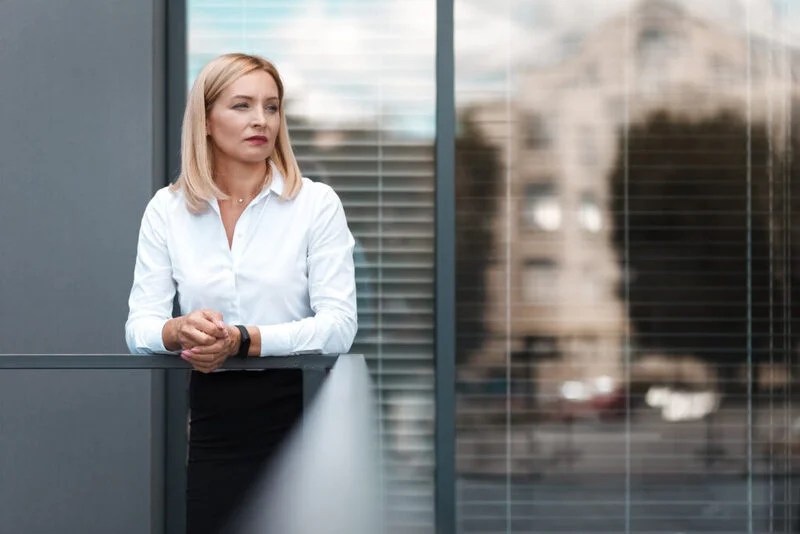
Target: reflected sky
<point>349,61</point>
<point>342,62</point>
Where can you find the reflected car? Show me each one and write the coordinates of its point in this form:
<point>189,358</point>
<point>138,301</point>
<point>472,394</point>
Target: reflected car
<point>682,405</point>
<point>601,397</point>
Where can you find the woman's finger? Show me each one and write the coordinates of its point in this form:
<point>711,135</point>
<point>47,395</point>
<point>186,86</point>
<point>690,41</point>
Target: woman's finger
<point>215,329</point>
<point>211,315</point>
<point>215,348</point>
<point>212,324</point>
<point>198,338</point>
<point>200,359</point>
<point>212,361</point>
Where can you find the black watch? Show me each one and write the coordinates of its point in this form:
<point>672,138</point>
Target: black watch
<point>244,346</point>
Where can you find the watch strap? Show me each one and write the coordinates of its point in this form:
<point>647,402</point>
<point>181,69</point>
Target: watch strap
<point>244,345</point>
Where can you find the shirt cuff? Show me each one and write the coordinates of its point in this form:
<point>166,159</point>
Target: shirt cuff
<point>276,340</point>
<point>153,337</point>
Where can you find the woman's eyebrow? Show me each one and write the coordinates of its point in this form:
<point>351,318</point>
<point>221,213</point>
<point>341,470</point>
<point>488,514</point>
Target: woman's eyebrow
<point>245,97</point>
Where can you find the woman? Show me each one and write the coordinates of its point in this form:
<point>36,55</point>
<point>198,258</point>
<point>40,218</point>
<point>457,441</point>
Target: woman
<point>262,261</point>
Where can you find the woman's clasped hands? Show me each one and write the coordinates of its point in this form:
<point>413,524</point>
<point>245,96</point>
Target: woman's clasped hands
<point>206,341</point>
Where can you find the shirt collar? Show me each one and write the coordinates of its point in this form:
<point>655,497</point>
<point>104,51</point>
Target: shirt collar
<point>276,184</point>
<point>278,181</point>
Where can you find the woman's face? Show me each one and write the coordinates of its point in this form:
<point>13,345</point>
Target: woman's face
<point>244,121</point>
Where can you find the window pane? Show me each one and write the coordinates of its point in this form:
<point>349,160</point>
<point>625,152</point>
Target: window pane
<point>590,215</point>
<point>360,99</point>
<point>625,334</point>
<point>542,210</point>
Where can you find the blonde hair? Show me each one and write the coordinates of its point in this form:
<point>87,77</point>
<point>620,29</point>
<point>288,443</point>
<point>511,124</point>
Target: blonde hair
<point>196,179</point>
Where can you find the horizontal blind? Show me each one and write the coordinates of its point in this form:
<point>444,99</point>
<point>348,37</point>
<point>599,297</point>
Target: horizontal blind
<point>626,345</point>
<point>360,99</point>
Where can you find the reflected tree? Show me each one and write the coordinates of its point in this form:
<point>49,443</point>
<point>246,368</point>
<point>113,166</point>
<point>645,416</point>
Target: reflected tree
<point>695,236</point>
<point>477,174</point>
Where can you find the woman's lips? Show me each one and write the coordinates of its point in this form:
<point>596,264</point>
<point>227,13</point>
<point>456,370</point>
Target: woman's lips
<point>257,140</point>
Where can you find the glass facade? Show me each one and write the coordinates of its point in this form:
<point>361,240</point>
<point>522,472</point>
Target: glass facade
<point>625,348</point>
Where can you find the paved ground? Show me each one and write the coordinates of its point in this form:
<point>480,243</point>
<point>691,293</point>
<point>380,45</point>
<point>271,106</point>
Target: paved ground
<point>611,505</point>
<point>734,441</point>
<point>642,476</point>
<point>605,506</point>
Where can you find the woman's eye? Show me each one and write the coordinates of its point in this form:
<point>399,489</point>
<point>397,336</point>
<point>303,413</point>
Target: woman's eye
<point>272,108</point>
<point>240,106</point>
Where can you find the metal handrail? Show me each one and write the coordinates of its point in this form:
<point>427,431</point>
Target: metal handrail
<point>157,361</point>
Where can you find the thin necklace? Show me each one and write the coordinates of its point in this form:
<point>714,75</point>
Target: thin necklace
<point>266,177</point>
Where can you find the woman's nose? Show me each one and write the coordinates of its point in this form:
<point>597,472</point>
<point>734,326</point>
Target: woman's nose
<point>259,117</point>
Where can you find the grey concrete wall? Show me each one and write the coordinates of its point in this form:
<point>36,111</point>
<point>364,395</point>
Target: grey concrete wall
<point>81,137</point>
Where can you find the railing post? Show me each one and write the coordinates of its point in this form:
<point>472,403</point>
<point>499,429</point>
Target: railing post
<point>445,505</point>
<point>176,408</point>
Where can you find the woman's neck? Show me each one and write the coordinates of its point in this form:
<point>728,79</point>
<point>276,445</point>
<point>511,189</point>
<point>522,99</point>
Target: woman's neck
<point>240,180</point>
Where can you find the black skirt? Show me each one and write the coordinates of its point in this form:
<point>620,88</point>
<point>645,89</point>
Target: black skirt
<point>238,421</point>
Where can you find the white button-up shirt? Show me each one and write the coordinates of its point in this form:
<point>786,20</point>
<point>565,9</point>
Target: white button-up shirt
<point>289,270</point>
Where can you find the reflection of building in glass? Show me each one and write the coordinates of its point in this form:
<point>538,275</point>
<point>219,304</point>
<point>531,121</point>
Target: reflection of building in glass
<point>557,276</point>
